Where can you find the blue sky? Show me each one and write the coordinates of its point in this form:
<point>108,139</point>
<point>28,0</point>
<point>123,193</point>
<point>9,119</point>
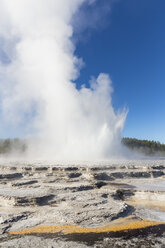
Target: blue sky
<point>131,48</point>
<point>128,43</point>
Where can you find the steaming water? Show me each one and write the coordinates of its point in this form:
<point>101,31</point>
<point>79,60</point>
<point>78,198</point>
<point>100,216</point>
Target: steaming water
<point>37,90</point>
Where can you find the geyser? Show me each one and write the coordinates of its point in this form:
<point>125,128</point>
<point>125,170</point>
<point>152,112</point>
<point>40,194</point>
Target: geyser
<point>37,89</point>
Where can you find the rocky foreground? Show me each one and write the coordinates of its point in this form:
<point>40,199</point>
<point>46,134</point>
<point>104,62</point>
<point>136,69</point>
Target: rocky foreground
<point>120,204</point>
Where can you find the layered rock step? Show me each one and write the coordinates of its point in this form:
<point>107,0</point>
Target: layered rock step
<point>84,195</point>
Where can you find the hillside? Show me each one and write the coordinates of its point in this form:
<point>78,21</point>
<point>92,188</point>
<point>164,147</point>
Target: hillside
<point>146,147</point>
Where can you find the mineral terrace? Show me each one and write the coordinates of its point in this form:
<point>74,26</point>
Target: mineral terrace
<point>103,204</point>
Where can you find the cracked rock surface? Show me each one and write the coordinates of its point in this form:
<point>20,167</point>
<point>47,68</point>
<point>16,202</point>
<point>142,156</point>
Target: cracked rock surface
<point>80,194</point>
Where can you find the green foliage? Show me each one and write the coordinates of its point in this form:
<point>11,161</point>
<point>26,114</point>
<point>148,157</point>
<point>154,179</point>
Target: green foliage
<point>12,145</point>
<point>145,146</point>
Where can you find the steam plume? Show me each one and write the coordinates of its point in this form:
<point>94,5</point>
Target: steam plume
<point>37,89</point>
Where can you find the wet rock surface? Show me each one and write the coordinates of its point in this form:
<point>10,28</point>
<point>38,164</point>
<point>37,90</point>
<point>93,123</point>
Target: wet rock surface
<point>86,195</point>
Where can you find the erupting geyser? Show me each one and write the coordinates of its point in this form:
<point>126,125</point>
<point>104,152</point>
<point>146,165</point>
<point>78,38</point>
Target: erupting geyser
<point>37,89</point>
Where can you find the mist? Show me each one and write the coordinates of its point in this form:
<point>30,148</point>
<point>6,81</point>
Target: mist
<point>38,84</point>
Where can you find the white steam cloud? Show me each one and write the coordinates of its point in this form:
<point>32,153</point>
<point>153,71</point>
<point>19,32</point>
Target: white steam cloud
<point>37,89</point>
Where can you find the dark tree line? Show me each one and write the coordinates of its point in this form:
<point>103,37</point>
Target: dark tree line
<point>12,145</point>
<point>144,146</point>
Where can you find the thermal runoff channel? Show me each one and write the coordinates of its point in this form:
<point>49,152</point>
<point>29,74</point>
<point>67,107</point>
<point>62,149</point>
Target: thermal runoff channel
<point>38,94</point>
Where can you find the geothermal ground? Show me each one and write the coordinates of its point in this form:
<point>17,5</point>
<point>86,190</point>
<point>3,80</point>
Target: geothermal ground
<point>103,204</point>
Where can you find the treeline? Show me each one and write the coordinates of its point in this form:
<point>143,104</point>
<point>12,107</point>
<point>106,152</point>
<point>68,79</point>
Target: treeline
<point>8,146</point>
<point>145,146</point>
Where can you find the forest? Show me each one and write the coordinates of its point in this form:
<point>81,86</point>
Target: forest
<point>8,146</point>
<point>145,147</point>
